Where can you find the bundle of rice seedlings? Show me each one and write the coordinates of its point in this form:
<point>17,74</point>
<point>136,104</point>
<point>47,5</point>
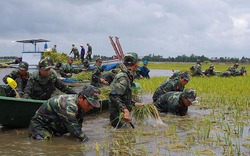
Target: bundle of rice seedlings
<point>146,112</point>
<point>83,75</point>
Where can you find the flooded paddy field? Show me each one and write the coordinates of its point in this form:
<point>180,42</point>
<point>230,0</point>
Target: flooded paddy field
<point>218,124</point>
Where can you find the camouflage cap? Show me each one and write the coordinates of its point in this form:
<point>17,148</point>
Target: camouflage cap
<point>190,94</point>
<point>211,66</point>
<point>185,75</point>
<point>50,60</point>
<point>236,64</point>
<point>91,94</point>
<point>70,58</point>
<point>130,58</point>
<point>23,66</point>
<point>44,64</point>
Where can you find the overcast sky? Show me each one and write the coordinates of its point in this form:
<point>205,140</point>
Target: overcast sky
<point>161,27</point>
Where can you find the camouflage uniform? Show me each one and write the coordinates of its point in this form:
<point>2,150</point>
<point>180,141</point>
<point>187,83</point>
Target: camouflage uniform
<point>196,69</point>
<point>75,51</point>
<point>210,71</point>
<point>61,114</point>
<point>67,68</point>
<point>42,88</point>
<point>233,69</point>
<point>109,76</point>
<point>86,64</point>
<point>121,94</point>
<point>96,75</point>
<point>240,72</point>
<point>172,102</point>
<point>20,80</point>
<point>167,86</point>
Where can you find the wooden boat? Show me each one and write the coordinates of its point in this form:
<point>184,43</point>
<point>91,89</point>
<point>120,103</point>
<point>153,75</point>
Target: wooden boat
<point>17,112</point>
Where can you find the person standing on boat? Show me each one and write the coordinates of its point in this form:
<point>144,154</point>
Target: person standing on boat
<point>176,102</point>
<point>120,95</point>
<point>173,84</point>
<point>75,51</point>
<point>89,52</point>
<point>43,83</point>
<point>64,114</point>
<point>67,70</point>
<point>82,53</point>
<point>144,71</point>
<point>54,49</point>
<point>21,76</point>
<point>96,74</point>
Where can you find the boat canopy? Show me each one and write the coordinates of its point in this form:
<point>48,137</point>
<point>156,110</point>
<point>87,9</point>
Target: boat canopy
<point>33,41</point>
<point>32,57</point>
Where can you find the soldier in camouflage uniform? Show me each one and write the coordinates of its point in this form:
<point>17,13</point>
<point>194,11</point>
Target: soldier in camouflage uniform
<point>109,76</point>
<point>173,84</point>
<point>121,94</point>
<point>241,72</point>
<point>176,102</point>
<point>67,70</point>
<point>96,74</point>
<point>75,51</point>
<point>210,71</point>
<point>21,76</point>
<point>64,114</point>
<point>233,69</point>
<point>196,69</point>
<point>43,83</point>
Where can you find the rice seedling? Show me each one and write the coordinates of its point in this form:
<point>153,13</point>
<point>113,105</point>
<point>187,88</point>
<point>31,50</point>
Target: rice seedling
<point>146,112</point>
<point>83,75</point>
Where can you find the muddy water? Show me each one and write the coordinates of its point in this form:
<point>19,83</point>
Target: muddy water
<point>178,136</point>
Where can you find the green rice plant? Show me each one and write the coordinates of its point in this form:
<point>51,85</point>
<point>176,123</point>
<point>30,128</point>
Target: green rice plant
<point>83,75</point>
<point>145,112</point>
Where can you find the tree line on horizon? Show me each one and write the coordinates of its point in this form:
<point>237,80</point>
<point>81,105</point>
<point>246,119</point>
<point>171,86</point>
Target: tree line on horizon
<point>193,58</point>
<point>160,58</point>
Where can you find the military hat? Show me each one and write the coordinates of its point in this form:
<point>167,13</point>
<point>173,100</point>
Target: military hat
<point>91,94</point>
<point>98,60</point>
<point>23,66</point>
<point>70,58</point>
<point>44,64</point>
<point>190,94</point>
<point>185,75</point>
<point>145,62</point>
<point>236,64</point>
<point>130,59</point>
<point>50,60</point>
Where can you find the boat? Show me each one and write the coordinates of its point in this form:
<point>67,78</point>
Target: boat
<point>72,82</point>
